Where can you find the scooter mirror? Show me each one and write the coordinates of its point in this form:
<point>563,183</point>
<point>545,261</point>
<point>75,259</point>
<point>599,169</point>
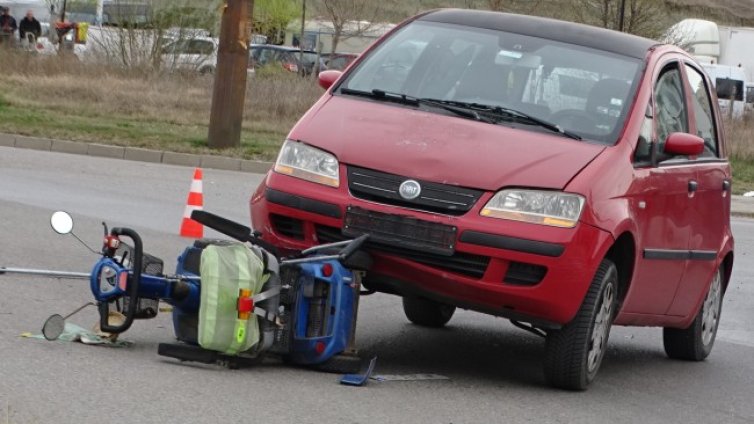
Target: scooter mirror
<point>61,222</point>
<point>53,327</point>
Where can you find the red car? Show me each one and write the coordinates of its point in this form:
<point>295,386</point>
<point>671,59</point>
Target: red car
<point>563,176</point>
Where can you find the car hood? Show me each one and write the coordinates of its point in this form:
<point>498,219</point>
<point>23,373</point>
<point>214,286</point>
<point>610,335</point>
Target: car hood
<point>441,148</point>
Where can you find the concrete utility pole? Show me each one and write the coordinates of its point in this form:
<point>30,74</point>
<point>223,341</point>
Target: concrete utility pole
<point>229,91</point>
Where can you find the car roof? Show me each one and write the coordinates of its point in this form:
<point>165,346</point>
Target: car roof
<point>568,32</point>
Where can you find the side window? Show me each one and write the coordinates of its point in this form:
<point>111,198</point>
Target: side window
<point>670,108</point>
<point>702,104</point>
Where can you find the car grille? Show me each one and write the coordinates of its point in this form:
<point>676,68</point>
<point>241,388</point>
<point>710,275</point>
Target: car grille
<point>383,188</point>
<point>459,263</point>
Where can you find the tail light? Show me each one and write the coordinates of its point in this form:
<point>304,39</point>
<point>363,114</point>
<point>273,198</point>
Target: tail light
<point>290,66</point>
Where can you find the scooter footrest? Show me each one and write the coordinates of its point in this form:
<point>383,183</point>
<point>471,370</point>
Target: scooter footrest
<point>187,353</point>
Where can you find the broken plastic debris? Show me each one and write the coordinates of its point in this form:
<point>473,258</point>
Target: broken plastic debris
<point>74,333</point>
<point>359,379</point>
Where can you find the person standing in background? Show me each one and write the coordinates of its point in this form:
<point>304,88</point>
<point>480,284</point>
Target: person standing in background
<point>29,25</point>
<point>7,27</point>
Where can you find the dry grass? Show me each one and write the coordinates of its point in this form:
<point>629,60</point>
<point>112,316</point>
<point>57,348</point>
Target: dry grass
<point>740,136</point>
<point>67,99</point>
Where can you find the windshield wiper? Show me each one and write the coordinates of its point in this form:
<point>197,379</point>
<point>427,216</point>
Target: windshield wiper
<point>465,109</point>
<point>511,113</point>
<point>411,100</point>
<point>381,94</point>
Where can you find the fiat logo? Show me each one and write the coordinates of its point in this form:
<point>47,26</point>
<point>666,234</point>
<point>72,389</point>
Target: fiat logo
<point>410,189</point>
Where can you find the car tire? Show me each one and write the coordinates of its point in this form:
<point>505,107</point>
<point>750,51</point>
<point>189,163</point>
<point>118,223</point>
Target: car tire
<point>207,70</point>
<point>695,343</point>
<point>427,313</point>
<point>574,353</point>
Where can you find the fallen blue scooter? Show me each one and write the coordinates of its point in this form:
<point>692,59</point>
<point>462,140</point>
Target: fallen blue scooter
<point>233,302</point>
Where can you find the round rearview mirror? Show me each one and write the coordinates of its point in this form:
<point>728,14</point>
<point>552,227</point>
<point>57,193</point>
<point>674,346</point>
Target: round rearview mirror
<point>61,222</point>
<point>53,327</point>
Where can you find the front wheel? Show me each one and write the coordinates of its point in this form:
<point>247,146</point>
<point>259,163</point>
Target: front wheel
<point>574,353</point>
<point>427,313</point>
<point>695,343</point>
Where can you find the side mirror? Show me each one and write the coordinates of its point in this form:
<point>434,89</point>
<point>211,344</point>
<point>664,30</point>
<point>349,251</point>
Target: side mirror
<point>678,144</point>
<point>61,222</point>
<point>328,78</point>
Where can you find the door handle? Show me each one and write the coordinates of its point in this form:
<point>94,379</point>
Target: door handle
<point>693,185</point>
<point>726,185</point>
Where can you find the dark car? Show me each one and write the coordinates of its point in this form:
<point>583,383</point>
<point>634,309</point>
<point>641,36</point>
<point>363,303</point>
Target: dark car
<point>287,57</point>
<point>563,176</point>
<point>340,61</point>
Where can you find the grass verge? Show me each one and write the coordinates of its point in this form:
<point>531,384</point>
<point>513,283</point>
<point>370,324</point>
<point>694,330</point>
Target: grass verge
<point>83,102</point>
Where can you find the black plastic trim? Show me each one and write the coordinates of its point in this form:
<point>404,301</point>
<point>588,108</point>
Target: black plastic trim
<point>302,203</point>
<point>513,243</point>
<point>391,285</point>
<point>679,255</point>
<point>702,255</point>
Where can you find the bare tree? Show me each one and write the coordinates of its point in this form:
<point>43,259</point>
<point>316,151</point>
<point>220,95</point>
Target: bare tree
<point>642,17</point>
<point>351,18</point>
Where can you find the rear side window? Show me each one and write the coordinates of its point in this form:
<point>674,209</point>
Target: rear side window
<point>702,104</point>
<point>670,108</point>
<point>730,89</point>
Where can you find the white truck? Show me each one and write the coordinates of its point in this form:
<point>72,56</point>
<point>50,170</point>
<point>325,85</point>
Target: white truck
<point>725,53</point>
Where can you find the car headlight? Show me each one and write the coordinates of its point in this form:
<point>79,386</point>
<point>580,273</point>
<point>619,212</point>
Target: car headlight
<point>552,208</point>
<point>308,163</point>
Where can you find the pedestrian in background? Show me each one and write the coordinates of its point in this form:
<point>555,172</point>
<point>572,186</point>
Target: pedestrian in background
<point>29,25</point>
<point>7,27</point>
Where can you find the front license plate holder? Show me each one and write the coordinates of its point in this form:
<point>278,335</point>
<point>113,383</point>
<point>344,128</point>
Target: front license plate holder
<point>400,231</point>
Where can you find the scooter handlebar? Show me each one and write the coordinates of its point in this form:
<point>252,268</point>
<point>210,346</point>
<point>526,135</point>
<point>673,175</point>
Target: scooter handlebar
<point>132,290</point>
<point>220,224</point>
<point>352,247</point>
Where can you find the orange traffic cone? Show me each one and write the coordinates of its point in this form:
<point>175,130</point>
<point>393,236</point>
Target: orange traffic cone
<point>195,201</point>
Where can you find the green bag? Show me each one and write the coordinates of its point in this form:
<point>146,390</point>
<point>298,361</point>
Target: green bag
<point>226,270</point>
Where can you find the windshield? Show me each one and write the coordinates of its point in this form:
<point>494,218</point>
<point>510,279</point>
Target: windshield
<point>585,91</point>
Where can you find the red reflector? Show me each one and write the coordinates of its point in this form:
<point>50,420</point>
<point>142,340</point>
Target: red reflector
<point>123,281</point>
<point>112,242</point>
<point>327,270</point>
<point>319,347</point>
<point>245,304</point>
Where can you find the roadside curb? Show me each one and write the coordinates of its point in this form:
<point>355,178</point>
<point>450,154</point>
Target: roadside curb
<point>137,154</point>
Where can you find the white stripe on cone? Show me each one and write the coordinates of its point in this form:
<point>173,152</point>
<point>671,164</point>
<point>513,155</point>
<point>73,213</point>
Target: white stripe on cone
<point>189,209</point>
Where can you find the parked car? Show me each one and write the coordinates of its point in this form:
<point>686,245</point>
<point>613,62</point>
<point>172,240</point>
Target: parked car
<point>340,61</point>
<point>287,57</point>
<point>563,176</point>
<point>197,53</point>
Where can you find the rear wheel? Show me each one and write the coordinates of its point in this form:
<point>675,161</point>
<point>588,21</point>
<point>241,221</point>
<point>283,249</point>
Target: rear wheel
<point>695,343</point>
<point>574,353</point>
<point>427,313</point>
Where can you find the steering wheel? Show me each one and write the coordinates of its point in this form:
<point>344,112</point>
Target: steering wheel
<point>575,119</point>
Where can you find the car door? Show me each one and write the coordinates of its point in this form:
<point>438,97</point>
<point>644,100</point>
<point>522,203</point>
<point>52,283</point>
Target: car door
<point>197,52</point>
<point>711,209</point>
<point>661,197</point>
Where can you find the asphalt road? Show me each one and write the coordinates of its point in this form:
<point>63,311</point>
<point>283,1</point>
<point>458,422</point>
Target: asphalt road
<point>493,368</point>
